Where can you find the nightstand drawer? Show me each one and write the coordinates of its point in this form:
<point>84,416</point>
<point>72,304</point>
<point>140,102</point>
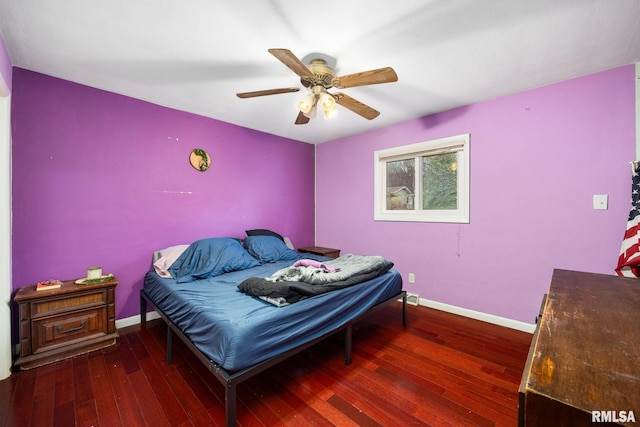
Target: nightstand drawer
<point>49,333</point>
<point>45,308</point>
<point>320,250</point>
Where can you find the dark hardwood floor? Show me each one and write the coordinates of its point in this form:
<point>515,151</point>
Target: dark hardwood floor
<point>441,369</point>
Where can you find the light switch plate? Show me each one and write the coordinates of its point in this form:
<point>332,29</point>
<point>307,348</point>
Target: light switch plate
<point>600,201</point>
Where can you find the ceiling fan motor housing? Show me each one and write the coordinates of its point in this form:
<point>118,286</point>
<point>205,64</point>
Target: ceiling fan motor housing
<point>322,72</point>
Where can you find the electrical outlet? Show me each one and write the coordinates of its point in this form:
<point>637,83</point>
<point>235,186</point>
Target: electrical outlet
<point>412,278</point>
<point>413,299</point>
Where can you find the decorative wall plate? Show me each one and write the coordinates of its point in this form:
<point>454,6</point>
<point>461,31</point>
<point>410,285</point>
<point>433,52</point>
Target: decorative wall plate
<point>200,159</point>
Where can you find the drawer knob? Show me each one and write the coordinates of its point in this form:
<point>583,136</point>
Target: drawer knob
<point>59,328</point>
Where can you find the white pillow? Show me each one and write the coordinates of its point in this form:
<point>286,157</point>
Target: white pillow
<point>287,242</point>
<point>167,257</point>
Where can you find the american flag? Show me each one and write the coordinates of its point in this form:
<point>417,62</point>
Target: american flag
<point>629,260</point>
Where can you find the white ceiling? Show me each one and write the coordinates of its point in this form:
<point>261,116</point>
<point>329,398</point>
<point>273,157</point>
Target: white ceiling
<point>196,55</point>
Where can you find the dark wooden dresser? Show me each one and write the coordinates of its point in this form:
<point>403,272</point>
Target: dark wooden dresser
<point>584,361</point>
<point>59,323</point>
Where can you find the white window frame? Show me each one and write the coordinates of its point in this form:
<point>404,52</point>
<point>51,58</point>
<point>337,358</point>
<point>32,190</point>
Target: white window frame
<point>458,144</point>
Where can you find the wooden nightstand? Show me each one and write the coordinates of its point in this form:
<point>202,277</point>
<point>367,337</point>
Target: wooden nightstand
<point>319,250</point>
<point>59,323</point>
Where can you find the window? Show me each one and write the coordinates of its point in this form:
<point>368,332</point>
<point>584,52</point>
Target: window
<point>427,181</point>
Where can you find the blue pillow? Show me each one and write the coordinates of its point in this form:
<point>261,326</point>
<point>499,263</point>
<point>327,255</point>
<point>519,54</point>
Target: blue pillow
<point>209,258</point>
<point>269,249</point>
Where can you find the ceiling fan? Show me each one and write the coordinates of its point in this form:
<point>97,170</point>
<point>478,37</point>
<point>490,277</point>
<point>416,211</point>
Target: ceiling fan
<point>318,77</point>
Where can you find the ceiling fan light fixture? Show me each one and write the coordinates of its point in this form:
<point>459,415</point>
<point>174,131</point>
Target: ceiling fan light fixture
<point>311,114</point>
<point>327,101</point>
<point>330,113</point>
<point>306,103</point>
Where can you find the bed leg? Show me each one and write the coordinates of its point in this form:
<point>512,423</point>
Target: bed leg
<point>230,403</point>
<point>348,345</point>
<point>143,309</point>
<point>404,309</point>
<point>169,345</point>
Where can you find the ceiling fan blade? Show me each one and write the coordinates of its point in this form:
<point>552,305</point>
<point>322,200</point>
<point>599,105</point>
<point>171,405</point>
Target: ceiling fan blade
<point>302,119</point>
<point>356,106</point>
<point>290,60</point>
<point>371,77</point>
<point>266,92</point>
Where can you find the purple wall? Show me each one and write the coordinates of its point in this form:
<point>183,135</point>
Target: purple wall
<point>102,179</point>
<point>537,159</point>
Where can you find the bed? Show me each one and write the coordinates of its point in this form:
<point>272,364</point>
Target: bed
<point>211,294</point>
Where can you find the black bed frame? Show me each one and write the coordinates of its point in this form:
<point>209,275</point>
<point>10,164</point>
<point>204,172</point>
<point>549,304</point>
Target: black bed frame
<point>231,379</point>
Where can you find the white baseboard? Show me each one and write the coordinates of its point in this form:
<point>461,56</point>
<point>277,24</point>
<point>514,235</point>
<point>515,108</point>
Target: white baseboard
<point>134,320</point>
<point>490,318</point>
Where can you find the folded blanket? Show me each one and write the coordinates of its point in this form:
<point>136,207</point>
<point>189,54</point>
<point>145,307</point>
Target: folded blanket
<point>341,269</point>
<point>277,290</point>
